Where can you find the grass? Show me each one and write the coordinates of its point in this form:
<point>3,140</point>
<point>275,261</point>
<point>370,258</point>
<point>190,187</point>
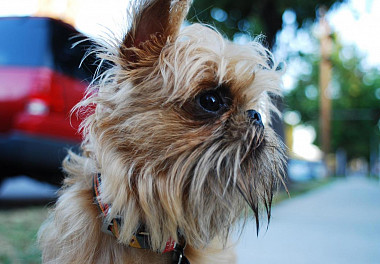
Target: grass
<point>18,235</point>
<point>19,227</point>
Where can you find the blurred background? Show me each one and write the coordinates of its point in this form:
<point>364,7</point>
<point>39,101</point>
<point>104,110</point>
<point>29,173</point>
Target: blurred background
<point>331,117</point>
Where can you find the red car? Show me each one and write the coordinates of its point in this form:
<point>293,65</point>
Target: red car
<point>40,82</point>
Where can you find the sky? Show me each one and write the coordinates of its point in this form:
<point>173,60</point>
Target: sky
<point>357,22</point>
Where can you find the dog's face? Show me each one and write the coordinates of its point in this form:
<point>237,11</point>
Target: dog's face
<point>178,133</point>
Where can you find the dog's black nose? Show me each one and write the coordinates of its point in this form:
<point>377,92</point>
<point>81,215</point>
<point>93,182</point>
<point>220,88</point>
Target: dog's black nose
<point>255,117</point>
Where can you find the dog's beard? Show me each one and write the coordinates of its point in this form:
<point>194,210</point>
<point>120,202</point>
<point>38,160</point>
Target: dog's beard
<point>202,189</point>
<point>261,171</point>
<point>228,175</point>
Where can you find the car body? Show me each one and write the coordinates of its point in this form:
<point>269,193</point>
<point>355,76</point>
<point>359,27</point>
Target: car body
<point>40,82</point>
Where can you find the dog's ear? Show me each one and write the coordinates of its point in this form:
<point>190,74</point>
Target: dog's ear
<point>154,23</point>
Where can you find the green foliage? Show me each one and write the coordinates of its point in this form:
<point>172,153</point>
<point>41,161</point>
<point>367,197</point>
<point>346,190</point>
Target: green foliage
<point>18,235</point>
<point>355,96</point>
<point>255,16</point>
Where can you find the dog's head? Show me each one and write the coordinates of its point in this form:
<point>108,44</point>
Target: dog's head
<point>181,131</point>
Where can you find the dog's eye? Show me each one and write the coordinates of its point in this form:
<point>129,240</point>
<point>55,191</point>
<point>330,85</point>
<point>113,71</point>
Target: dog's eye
<point>209,104</point>
<point>210,101</point>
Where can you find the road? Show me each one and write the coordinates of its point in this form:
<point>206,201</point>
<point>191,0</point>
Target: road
<point>337,224</point>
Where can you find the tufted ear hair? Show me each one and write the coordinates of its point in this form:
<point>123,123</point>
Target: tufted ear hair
<point>154,23</point>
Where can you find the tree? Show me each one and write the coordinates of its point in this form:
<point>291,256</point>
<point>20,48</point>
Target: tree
<point>355,95</point>
<point>255,16</point>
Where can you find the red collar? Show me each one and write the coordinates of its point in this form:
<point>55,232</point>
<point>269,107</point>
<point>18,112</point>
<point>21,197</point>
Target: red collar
<point>140,239</point>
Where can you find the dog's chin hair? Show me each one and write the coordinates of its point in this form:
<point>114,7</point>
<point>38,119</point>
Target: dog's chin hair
<point>203,192</point>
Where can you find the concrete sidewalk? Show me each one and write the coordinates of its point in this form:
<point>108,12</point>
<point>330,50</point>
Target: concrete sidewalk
<point>337,224</point>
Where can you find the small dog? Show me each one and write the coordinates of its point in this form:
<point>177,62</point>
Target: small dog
<point>177,142</point>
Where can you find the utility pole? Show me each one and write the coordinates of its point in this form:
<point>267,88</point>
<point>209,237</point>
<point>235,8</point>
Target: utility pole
<point>325,68</point>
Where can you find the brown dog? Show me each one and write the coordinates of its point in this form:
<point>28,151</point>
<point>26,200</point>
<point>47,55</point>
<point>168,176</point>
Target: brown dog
<point>175,147</point>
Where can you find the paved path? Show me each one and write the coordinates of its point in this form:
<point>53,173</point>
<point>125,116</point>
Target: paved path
<point>337,224</point>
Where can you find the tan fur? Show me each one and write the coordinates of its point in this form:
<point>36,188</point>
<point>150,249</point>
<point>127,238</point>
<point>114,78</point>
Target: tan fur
<point>161,164</point>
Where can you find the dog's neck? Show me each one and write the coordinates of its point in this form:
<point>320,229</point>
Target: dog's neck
<point>140,239</point>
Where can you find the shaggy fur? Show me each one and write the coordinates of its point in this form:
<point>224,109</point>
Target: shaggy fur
<point>164,161</point>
